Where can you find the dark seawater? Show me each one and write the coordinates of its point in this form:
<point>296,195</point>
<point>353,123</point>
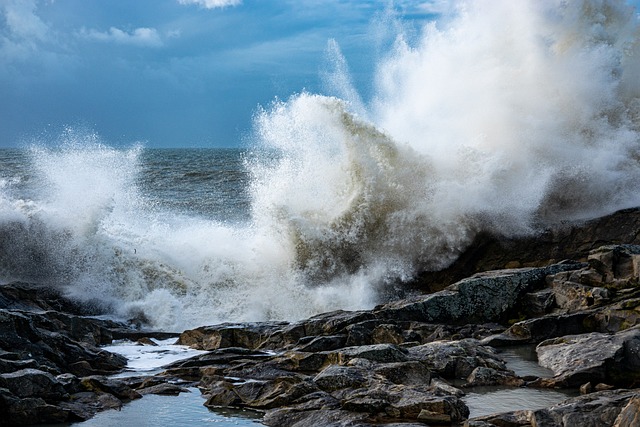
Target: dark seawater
<point>211,183</point>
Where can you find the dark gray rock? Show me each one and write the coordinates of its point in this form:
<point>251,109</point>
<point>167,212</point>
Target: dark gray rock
<point>33,383</point>
<point>595,357</point>
<point>245,335</point>
<point>456,359</point>
<point>339,377</point>
<point>383,353</point>
<point>484,297</point>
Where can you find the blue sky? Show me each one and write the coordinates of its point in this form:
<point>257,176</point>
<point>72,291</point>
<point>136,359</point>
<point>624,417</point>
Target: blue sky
<point>175,73</point>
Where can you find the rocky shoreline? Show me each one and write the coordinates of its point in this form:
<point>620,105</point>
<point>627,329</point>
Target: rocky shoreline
<point>405,363</point>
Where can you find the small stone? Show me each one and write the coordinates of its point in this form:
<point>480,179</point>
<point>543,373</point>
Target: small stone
<point>586,388</point>
<point>602,386</point>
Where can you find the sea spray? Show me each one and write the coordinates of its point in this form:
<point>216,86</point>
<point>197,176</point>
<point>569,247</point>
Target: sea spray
<point>503,117</point>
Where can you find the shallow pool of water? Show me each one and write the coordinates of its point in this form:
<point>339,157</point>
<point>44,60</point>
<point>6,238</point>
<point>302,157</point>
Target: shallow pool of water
<point>171,411</point>
<point>490,400</point>
<point>523,360</point>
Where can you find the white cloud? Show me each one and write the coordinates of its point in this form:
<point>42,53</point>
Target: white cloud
<point>22,20</point>
<point>436,7</point>
<point>146,37</point>
<point>212,4</point>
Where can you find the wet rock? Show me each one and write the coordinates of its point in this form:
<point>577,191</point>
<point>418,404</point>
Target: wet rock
<point>619,265</point>
<point>408,373</point>
<point>165,389</point>
<point>112,386</point>
<point>456,359</point>
<point>383,353</point>
<point>484,297</point>
<point>595,409</point>
<point>324,343</point>
<point>292,417</point>
<point>575,359</point>
<point>572,296</point>
<point>33,383</point>
<point>630,414</point>
<point>482,376</point>
<point>245,335</point>
<point>541,328</point>
<point>339,377</point>
<point>28,411</point>
<point>616,317</point>
<point>564,241</point>
<point>32,297</point>
<point>45,339</point>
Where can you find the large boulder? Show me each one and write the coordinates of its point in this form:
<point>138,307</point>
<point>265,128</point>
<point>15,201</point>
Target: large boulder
<point>456,359</point>
<point>594,357</point>
<point>573,240</point>
<point>33,383</point>
<point>617,408</point>
<point>41,338</point>
<point>484,297</point>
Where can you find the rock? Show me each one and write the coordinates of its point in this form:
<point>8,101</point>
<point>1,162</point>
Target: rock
<point>383,353</point>
<point>563,241</point>
<point>408,373</point>
<point>338,377</point>
<point>595,409</point>
<point>618,264</point>
<point>46,339</point>
<point>572,296</point>
<point>387,334</point>
<point>611,358</point>
<point>484,297</point>
<point>616,317</point>
<point>482,376</point>
<point>324,343</point>
<point>600,409</point>
<point>291,417</point>
<point>32,297</point>
<point>244,335</point>
<point>630,414</point>
<point>586,388</point>
<point>539,303</point>
<point>33,383</point>
<point>105,385</point>
<point>541,328</point>
<point>146,341</point>
<point>165,389</point>
<point>430,417</point>
<point>259,394</point>
<point>300,361</point>
<point>456,359</point>
<point>28,411</point>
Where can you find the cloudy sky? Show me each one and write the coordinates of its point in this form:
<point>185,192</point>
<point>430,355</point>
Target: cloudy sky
<point>175,73</point>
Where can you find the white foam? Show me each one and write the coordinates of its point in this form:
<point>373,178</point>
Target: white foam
<point>147,359</point>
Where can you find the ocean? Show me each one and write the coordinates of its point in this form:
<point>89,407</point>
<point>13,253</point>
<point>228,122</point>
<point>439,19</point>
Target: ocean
<point>504,118</point>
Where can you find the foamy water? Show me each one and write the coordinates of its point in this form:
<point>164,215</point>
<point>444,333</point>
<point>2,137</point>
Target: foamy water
<point>504,116</point>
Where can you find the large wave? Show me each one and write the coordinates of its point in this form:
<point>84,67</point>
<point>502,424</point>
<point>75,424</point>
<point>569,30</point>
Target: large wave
<point>503,117</point>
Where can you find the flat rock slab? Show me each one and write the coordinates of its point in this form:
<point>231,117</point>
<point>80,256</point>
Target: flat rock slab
<point>484,297</point>
<point>594,357</point>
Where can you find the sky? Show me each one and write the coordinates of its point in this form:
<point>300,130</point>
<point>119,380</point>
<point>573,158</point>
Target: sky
<point>178,73</point>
